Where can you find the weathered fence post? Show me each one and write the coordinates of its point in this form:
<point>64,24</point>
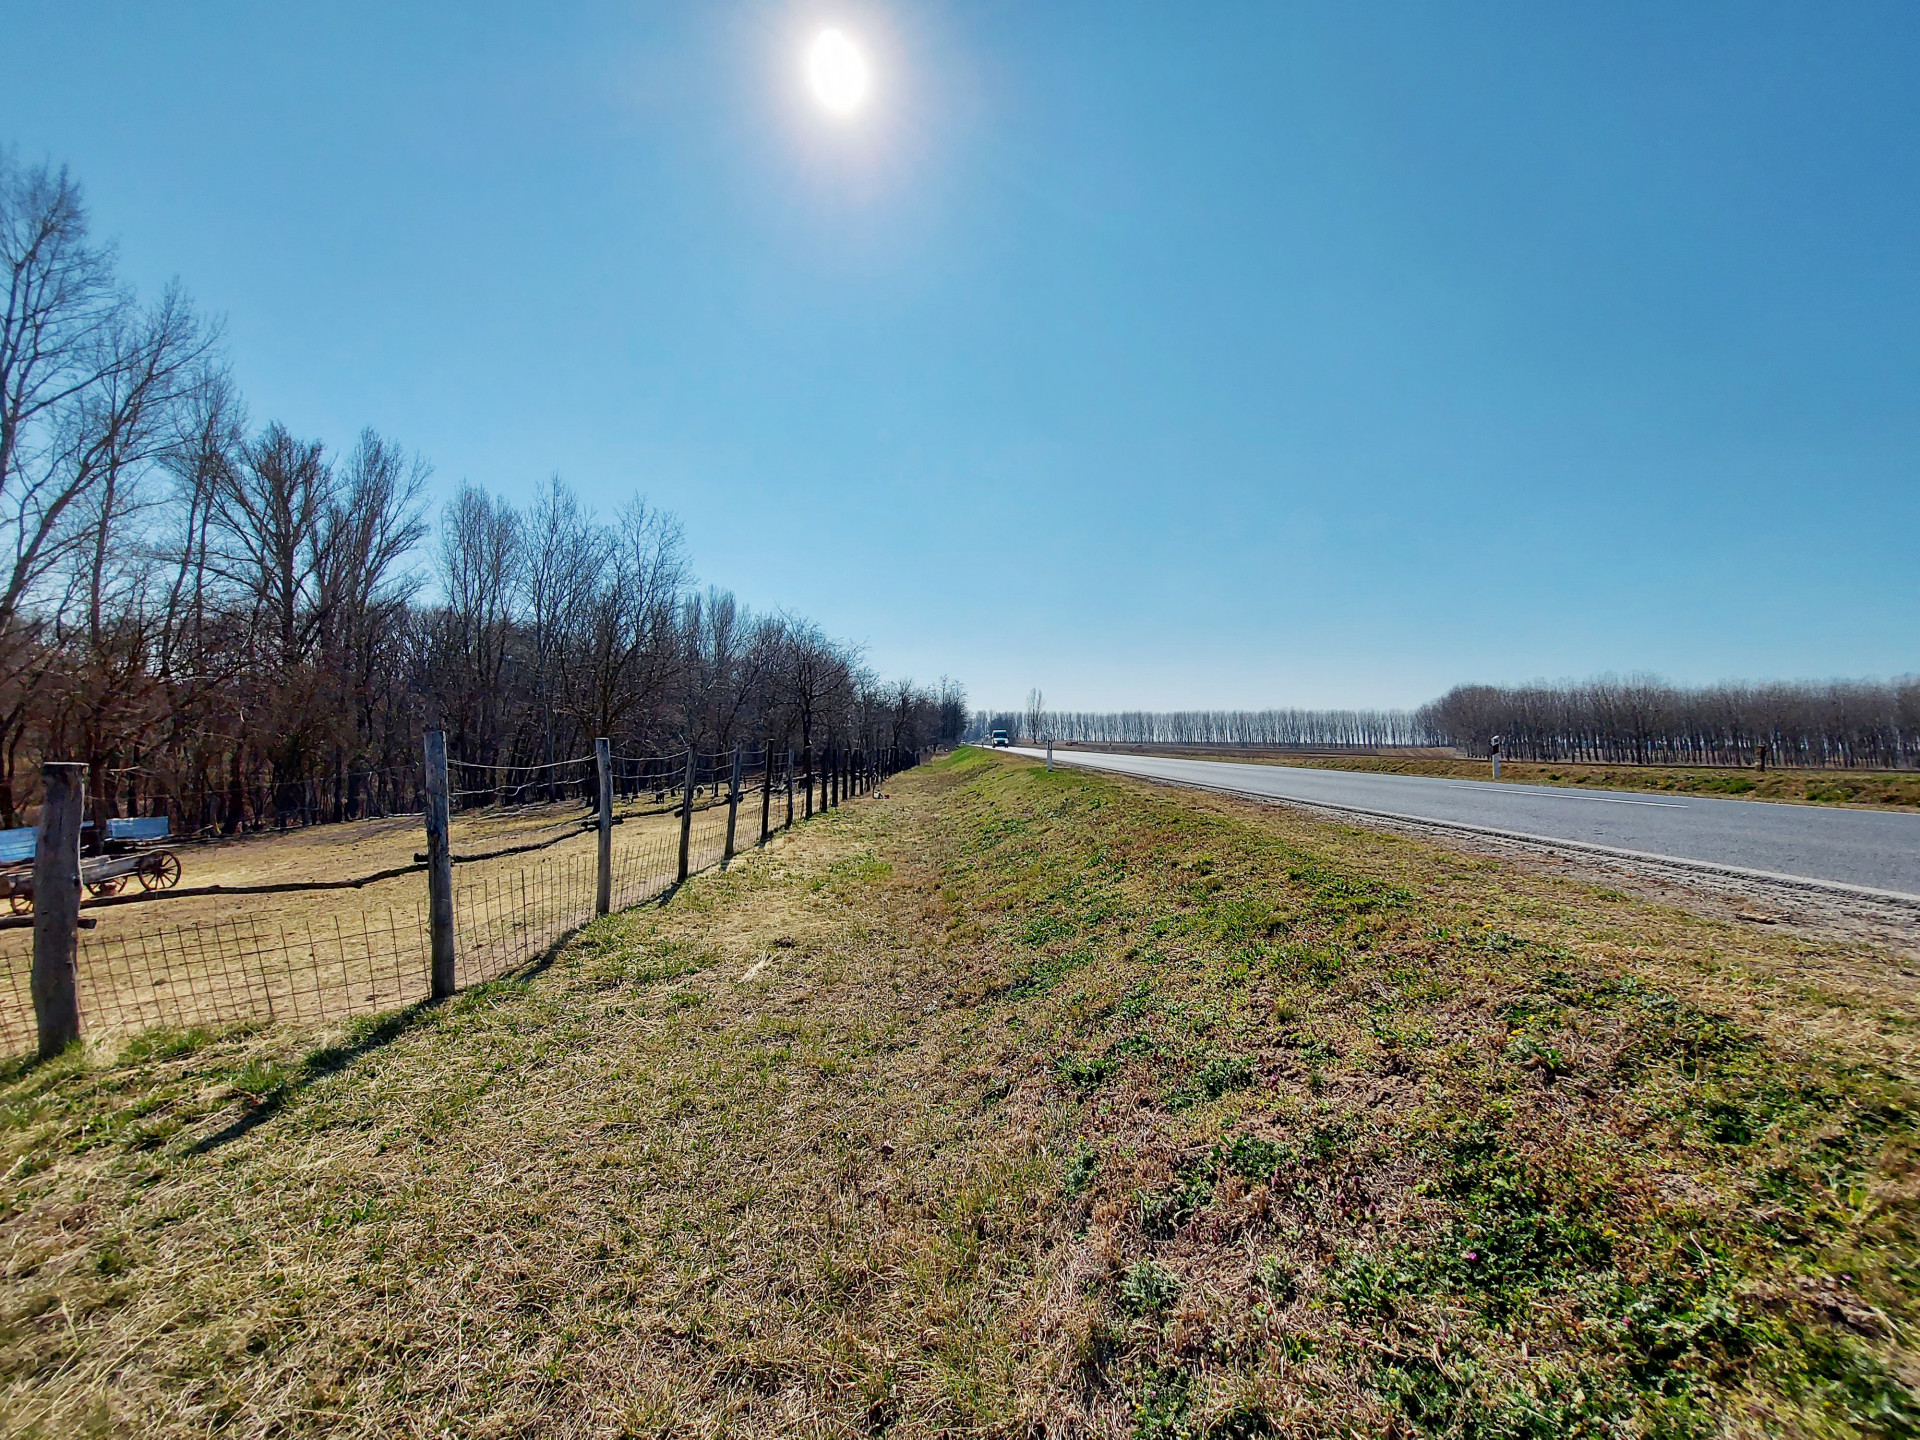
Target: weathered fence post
<point>686,811</point>
<point>733,802</point>
<point>603,870</point>
<point>789,775</point>
<point>806,764</point>
<point>439,866</point>
<point>56,907</point>
<point>766,795</point>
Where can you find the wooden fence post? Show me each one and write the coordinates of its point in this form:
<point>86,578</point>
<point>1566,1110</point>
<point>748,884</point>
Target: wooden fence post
<point>806,764</point>
<point>733,802</point>
<point>56,907</point>
<point>439,866</point>
<point>686,811</point>
<point>766,794</point>
<point>603,869</point>
<point>789,775</point>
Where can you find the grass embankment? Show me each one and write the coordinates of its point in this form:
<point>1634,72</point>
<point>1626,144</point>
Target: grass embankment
<point>1874,789</point>
<point>1012,1102</point>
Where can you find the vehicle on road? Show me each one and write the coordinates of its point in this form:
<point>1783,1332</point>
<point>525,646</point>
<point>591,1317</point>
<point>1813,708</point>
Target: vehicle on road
<point>1000,739</point>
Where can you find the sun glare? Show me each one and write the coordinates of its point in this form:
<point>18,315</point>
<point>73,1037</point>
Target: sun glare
<point>838,72</point>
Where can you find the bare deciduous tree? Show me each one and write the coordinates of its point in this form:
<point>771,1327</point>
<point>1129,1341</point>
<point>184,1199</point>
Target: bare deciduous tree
<point>1036,716</point>
<point>230,624</point>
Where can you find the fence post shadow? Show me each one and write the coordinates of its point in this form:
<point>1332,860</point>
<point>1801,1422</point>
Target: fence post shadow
<point>382,1030</point>
<point>327,1061</point>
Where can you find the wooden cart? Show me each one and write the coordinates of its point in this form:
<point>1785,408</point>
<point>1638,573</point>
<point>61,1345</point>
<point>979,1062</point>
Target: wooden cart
<point>133,851</point>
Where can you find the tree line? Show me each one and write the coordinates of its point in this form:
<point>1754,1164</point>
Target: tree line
<point>1273,729</point>
<point>1639,720</point>
<point>235,626</point>
<point>1643,720</point>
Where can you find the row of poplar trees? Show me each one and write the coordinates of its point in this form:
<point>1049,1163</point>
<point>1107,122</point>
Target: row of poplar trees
<point>1643,720</point>
<point>1634,720</point>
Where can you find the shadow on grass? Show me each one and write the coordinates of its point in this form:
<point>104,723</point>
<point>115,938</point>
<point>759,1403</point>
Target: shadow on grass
<point>24,1063</point>
<point>367,1036</point>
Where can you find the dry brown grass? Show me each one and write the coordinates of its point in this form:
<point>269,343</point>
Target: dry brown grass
<point>945,1115</point>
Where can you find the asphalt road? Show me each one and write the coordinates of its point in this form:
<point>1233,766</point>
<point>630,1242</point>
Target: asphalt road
<point>1879,850</point>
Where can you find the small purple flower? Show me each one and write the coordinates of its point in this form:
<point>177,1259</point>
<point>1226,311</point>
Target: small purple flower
<point>1472,1255</point>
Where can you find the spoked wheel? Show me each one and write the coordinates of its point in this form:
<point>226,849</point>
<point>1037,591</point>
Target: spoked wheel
<point>110,885</point>
<point>21,901</point>
<point>160,871</point>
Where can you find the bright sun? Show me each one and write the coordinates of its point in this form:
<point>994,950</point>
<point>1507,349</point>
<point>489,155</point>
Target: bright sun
<point>838,72</point>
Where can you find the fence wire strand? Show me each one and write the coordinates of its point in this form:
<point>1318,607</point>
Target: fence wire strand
<point>317,969</point>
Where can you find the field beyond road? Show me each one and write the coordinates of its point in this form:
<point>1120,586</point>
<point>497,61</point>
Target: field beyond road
<point>1012,1103</point>
<point>1867,849</point>
<point>1870,789</point>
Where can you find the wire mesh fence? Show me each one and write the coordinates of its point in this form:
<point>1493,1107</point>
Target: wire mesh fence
<point>361,959</point>
<point>246,968</point>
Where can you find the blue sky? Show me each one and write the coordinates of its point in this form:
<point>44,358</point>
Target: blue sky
<point>1154,355</point>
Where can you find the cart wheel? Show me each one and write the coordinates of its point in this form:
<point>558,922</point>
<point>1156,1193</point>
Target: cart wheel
<point>160,871</point>
<point>21,901</point>
<point>109,886</point>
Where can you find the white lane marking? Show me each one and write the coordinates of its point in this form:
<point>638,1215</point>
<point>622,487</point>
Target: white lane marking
<point>1573,795</point>
<point>1480,789</point>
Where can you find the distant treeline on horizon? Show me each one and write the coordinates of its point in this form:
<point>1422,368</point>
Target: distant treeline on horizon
<point>1637,720</point>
